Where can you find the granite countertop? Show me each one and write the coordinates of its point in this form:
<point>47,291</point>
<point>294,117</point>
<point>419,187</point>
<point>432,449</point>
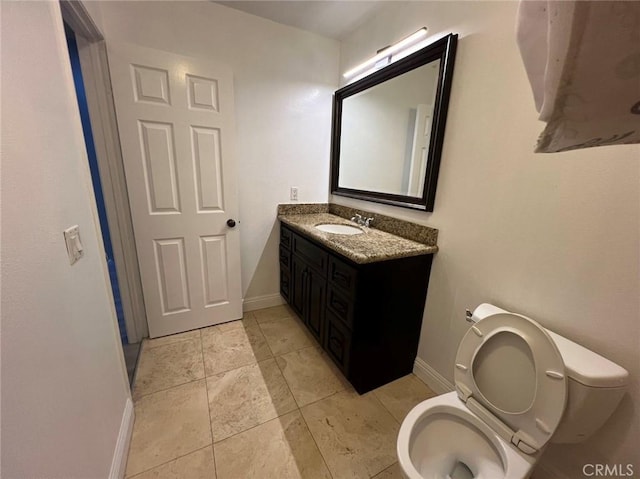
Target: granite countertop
<point>371,246</point>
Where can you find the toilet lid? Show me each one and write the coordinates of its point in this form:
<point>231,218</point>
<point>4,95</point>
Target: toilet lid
<point>510,372</point>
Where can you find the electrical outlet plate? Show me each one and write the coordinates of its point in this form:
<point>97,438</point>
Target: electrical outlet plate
<point>294,193</point>
<point>75,249</point>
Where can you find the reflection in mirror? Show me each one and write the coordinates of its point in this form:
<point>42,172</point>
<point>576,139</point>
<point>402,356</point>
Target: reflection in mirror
<point>388,129</point>
<point>399,112</point>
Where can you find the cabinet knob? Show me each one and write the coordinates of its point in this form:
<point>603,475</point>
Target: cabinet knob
<point>231,223</point>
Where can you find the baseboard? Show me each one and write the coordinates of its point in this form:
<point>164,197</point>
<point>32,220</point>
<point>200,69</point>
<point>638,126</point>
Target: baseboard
<point>260,302</point>
<point>119,463</point>
<point>432,378</point>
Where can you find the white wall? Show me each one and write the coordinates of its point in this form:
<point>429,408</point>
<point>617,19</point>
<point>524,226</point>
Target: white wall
<point>64,386</point>
<point>283,78</point>
<point>555,237</point>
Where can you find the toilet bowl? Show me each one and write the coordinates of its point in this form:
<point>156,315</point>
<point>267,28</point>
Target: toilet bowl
<point>441,434</point>
<point>512,384</point>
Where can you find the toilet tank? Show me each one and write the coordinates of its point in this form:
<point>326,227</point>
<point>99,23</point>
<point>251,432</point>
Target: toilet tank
<point>596,386</point>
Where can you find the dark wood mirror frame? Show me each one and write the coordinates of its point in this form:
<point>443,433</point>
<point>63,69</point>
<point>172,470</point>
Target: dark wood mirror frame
<point>444,50</point>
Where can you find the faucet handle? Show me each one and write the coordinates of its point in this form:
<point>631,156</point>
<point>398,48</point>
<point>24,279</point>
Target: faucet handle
<point>367,222</point>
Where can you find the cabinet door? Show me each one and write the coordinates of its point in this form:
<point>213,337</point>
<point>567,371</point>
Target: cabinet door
<point>285,283</point>
<point>297,286</point>
<point>337,343</point>
<point>314,302</point>
<point>340,305</point>
<point>285,237</point>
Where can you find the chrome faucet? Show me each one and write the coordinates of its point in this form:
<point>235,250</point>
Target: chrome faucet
<point>360,220</point>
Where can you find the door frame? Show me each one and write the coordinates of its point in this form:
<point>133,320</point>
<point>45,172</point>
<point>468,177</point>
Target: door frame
<point>95,71</point>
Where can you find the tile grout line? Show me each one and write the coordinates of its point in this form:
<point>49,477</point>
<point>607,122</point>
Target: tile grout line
<point>205,377</point>
<point>265,338</point>
<point>269,346</point>
<point>171,460</point>
<point>167,344</point>
<point>257,425</point>
<point>206,388</point>
<point>385,469</point>
<point>383,406</point>
<point>273,358</point>
<point>148,350</point>
<point>167,389</point>
<point>324,461</point>
<point>297,408</point>
<point>316,443</point>
<point>375,396</point>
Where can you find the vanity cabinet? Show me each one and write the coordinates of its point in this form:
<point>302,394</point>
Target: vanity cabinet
<point>367,317</point>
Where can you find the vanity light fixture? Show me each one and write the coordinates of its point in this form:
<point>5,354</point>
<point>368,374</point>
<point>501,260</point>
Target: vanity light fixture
<point>388,52</point>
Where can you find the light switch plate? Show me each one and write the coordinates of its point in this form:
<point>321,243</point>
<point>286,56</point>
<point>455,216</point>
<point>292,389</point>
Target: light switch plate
<point>75,249</point>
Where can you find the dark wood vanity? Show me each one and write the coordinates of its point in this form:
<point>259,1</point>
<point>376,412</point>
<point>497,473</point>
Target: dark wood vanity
<point>367,317</point>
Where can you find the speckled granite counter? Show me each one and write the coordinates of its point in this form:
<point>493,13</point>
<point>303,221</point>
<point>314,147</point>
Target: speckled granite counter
<point>371,246</point>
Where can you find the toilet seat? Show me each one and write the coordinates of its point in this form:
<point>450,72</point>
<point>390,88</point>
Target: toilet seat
<point>525,362</point>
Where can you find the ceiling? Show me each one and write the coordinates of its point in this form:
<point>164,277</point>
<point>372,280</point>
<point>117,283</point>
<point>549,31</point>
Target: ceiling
<point>333,19</point>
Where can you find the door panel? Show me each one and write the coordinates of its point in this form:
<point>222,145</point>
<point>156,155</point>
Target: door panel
<point>172,275</point>
<point>214,259</point>
<point>203,93</point>
<point>176,123</point>
<point>159,164</point>
<point>207,164</point>
<point>151,84</point>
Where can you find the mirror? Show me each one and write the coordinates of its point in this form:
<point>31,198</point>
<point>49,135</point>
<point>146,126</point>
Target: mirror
<point>388,129</point>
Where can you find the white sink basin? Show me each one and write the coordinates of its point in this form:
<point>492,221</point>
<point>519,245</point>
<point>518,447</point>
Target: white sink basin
<point>339,229</point>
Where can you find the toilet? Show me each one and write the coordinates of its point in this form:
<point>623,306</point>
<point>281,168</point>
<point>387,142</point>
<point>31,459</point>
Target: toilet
<point>518,386</point>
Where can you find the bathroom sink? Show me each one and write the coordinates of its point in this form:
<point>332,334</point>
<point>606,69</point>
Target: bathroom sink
<point>339,229</point>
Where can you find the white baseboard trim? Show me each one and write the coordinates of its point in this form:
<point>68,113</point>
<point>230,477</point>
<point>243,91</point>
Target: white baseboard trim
<point>432,378</point>
<point>119,463</point>
<point>260,302</point>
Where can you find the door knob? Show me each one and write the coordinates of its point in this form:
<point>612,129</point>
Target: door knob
<point>231,223</point>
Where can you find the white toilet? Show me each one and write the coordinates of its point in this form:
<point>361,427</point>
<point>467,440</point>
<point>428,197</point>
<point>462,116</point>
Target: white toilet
<point>518,386</point>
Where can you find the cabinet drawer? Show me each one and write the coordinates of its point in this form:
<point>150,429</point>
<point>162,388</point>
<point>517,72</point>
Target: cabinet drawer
<point>337,342</point>
<point>340,305</point>
<point>285,283</point>
<point>313,255</point>
<point>285,257</point>
<point>285,237</point>
<point>342,275</point>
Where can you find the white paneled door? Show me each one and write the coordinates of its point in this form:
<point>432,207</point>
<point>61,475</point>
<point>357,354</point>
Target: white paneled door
<point>176,123</point>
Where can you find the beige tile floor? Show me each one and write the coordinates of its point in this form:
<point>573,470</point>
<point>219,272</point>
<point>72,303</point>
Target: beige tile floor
<point>258,398</point>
